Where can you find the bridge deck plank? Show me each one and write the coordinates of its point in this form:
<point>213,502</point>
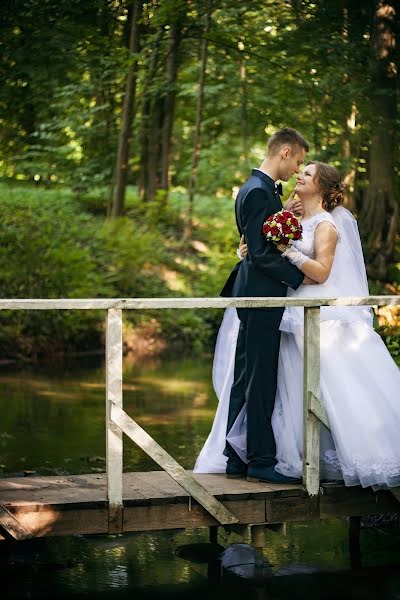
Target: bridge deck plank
<point>77,504</point>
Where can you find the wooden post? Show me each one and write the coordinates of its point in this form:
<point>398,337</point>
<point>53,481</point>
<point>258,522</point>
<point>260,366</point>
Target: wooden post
<point>311,391</point>
<point>258,542</point>
<point>114,447</point>
<point>213,534</point>
<point>258,536</point>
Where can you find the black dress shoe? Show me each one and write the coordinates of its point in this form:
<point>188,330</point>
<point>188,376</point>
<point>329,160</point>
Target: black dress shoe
<point>268,475</point>
<point>235,468</point>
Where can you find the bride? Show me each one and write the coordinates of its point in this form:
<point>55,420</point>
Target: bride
<point>359,379</point>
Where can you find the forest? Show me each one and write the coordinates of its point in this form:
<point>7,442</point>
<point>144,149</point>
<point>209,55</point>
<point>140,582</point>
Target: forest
<point>127,127</point>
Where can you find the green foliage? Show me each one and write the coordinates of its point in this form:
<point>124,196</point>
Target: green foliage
<point>387,321</point>
<point>47,252</point>
<point>54,248</point>
<point>133,254</point>
<point>393,345</point>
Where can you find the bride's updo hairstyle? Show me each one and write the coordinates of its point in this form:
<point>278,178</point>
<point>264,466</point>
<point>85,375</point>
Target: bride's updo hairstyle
<point>330,185</point>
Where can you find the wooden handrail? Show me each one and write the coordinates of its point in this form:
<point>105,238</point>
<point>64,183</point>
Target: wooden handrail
<point>160,303</point>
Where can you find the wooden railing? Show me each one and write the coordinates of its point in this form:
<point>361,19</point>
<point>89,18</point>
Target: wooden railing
<point>119,422</point>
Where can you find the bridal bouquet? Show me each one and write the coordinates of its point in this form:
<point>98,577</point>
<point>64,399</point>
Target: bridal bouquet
<point>282,228</point>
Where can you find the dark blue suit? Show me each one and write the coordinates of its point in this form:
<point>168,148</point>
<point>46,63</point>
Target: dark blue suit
<point>264,272</point>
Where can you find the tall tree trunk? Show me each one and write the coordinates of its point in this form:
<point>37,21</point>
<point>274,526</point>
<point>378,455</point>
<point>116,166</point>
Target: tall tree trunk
<point>380,210</point>
<point>128,109</point>
<point>348,157</point>
<point>169,102</point>
<point>197,130</point>
<point>349,119</point>
<point>147,123</point>
<point>154,150</point>
<point>245,113</point>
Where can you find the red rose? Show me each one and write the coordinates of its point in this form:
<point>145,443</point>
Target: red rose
<point>281,218</point>
<point>286,229</point>
<point>297,235</point>
<point>275,230</point>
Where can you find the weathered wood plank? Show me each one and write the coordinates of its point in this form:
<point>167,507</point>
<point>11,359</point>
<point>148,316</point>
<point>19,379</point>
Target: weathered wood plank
<point>173,516</point>
<point>221,487</point>
<point>160,303</point>
<point>114,444</point>
<point>133,492</point>
<point>39,490</point>
<point>140,488</point>
<point>296,508</point>
<point>12,526</point>
<point>49,521</point>
<point>318,410</point>
<point>160,488</point>
<point>174,469</point>
<point>311,389</point>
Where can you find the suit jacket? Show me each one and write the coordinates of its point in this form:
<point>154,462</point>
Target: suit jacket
<point>264,272</point>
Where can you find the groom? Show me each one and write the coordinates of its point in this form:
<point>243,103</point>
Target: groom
<point>263,272</point>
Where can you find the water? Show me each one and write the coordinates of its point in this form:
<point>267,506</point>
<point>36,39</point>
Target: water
<point>54,424</point>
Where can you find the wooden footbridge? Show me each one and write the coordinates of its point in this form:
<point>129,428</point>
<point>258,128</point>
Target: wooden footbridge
<point>175,498</point>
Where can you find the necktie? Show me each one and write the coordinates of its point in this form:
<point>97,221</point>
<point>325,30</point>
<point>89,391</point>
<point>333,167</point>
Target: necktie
<point>278,188</point>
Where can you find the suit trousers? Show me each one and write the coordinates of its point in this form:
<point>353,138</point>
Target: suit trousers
<point>255,381</point>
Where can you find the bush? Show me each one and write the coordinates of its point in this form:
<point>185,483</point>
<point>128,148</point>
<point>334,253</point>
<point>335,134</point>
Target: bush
<point>55,247</point>
<point>47,252</point>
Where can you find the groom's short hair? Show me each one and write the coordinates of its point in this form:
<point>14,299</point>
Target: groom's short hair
<point>286,137</point>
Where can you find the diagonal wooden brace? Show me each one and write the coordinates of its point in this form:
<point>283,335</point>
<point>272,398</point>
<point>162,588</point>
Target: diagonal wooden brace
<point>12,527</point>
<point>169,464</point>
<point>316,407</point>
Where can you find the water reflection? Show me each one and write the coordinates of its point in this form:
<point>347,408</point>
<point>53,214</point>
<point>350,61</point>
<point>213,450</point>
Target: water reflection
<point>54,424</point>
<point>312,558</point>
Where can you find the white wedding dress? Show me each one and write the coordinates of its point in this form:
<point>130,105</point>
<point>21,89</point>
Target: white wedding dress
<point>360,382</point>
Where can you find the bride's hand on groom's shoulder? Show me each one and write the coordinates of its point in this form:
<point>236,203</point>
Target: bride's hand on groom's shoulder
<point>294,205</point>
